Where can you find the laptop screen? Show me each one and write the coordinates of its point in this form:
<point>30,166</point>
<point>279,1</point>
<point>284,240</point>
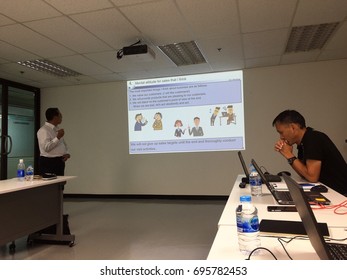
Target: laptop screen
<point>245,169</point>
<point>308,219</point>
<point>262,176</point>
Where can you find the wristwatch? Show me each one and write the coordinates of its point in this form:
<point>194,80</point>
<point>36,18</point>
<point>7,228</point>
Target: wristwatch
<point>291,160</point>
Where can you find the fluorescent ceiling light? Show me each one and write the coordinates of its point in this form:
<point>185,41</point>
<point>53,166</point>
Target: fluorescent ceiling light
<point>186,53</point>
<point>49,67</point>
<point>310,37</point>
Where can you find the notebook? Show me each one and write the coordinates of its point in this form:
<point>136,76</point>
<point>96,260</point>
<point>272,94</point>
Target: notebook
<point>284,197</point>
<point>269,177</point>
<point>325,251</point>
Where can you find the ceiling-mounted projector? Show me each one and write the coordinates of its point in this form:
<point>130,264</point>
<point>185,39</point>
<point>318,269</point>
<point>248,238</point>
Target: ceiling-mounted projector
<point>139,53</point>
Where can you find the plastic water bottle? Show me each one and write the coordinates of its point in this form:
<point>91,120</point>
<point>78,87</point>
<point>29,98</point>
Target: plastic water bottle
<point>21,170</point>
<point>247,225</point>
<point>29,176</point>
<point>255,181</point>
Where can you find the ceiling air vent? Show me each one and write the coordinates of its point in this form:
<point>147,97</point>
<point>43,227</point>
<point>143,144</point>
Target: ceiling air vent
<point>310,37</point>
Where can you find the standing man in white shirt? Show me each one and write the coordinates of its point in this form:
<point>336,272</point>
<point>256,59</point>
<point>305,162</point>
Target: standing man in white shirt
<point>53,149</point>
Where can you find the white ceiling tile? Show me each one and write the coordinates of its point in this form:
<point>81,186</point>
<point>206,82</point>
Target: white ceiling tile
<point>210,18</point>
<point>120,3</point>
<point>5,20</point>
<point>160,22</point>
<point>25,72</point>
<point>69,34</point>
<point>110,61</point>
<point>300,57</point>
<point>150,65</point>
<point>265,14</point>
<point>267,43</point>
<point>333,54</point>
<point>221,49</point>
<point>72,6</point>
<point>196,68</point>
<point>135,63</point>
<point>82,79</point>
<point>20,10</point>
<point>339,40</point>
<point>15,54</point>
<point>24,38</point>
<point>106,59</point>
<point>3,60</point>
<point>14,77</point>
<point>320,11</point>
<point>228,65</point>
<point>81,65</point>
<point>88,38</point>
<point>110,26</point>
<point>263,61</point>
<point>127,63</point>
<point>164,72</point>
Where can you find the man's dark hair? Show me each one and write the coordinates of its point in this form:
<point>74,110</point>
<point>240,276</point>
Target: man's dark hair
<point>137,116</point>
<point>290,116</point>
<point>51,113</point>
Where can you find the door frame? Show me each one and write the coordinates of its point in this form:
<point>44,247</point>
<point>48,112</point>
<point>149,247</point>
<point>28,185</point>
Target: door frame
<point>4,121</point>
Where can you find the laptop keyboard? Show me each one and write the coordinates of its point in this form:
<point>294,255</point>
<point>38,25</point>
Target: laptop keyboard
<point>284,195</point>
<point>338,251</point>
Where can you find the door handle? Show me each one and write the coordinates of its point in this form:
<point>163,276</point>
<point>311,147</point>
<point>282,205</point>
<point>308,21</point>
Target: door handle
<point>8,148</point>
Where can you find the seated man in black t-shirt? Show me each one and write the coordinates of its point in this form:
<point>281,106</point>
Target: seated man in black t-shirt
<point>318,157</point>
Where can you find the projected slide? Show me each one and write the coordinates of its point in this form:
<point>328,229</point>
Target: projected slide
<point>196,113</point>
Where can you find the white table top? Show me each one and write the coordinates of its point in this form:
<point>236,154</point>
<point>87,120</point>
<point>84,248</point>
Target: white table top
<point>225,246</point>
<point>324,216</point>
<point>12,185</point>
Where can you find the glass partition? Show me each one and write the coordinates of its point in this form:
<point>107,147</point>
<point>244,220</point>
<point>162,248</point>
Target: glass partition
<point>18,128</point>
<point>21,128</point>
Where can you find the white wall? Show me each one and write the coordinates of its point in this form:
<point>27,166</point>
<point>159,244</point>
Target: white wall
<point>95,121</point>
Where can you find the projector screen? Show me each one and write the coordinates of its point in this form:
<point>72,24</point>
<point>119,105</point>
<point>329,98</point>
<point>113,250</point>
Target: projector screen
<point>195,113</point>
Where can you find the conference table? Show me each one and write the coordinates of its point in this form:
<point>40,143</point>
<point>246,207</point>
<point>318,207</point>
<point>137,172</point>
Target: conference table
<point>29,206</point>
<point>225,245</point>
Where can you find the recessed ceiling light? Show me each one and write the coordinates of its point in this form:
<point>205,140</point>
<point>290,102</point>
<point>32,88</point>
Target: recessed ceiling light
<point>49,67</point>
<point>186,53</point>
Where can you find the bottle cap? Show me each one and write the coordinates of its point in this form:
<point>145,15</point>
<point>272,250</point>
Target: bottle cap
<point>245,198</point>
<point>21,160</point>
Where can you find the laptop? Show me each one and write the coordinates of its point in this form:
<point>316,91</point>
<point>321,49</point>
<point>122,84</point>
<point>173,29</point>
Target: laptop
<point>325,250</point>
<point>269,177</point>
<point>284,197</point>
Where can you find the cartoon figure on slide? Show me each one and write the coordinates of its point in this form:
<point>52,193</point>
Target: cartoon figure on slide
<point>140,122</point>
<point>157,124</point>
<point>179,131</point>
<point>214,115</point>
<point>230,114</point>
<point>197,129</point>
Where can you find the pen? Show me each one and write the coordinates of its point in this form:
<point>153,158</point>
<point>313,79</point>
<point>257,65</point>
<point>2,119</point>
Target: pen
<point>307,185</point>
